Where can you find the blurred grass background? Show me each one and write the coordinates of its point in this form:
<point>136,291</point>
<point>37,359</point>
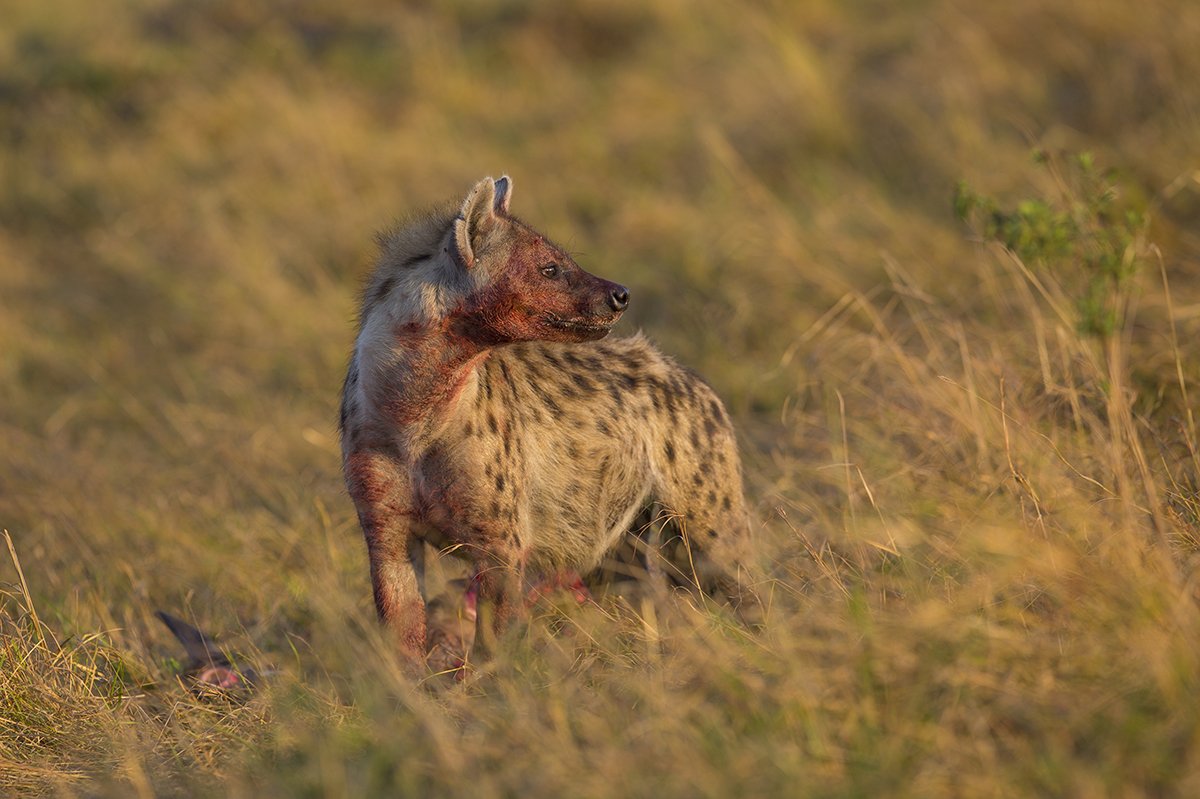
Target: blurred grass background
<point>980,522</point>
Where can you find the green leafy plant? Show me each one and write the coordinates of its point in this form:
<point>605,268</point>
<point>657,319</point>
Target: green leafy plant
<point>1091,235</point>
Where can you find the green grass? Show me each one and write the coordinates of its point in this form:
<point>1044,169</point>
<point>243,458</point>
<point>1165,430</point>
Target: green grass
<point>975,468</point>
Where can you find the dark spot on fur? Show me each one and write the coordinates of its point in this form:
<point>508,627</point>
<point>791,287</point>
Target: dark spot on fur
<point>630,381</point>
<point>573,450</point>
<point>669,401</point>
<point>504,371</point>
<point>499,482</point>
<point>496,508</point>
<point>546,399</point>
<point>493,425</point>
<point>582,381</point>
<point>488,471</point>
<point>706,468</point>
<point>669,449</point>
<point>710,427</point>
<point>695,438</point>
<point>725,503</point>
<point>712,497</point>
<point>552,359</point>
<point>662,396</point>
<point>712,533</point>
<point>469,429</point>
<point>603,427</point>
<point>697,480</point>
<point>383,289</point>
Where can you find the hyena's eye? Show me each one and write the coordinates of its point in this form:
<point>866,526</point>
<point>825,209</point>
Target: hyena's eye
<point>550,270</point>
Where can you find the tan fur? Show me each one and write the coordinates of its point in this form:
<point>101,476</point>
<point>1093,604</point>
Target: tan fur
<point>464,428</point>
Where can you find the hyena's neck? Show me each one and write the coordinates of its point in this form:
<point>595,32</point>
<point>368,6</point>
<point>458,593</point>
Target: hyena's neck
<point>421,380</point>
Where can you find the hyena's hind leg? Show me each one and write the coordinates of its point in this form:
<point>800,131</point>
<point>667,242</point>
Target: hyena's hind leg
<point>706,549</point>
<point>701,489</point>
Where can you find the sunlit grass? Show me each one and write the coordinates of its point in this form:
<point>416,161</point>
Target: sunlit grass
<point>978,514</point>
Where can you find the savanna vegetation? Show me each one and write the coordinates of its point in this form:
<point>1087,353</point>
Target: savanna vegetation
<point>941,259</point>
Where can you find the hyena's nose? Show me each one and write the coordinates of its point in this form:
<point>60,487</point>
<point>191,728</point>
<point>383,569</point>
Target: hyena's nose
<point>618,298</point>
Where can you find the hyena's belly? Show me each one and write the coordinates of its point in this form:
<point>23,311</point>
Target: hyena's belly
<point>579,517</point>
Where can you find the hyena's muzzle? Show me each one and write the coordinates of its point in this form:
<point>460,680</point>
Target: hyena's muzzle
<point>597,305</point>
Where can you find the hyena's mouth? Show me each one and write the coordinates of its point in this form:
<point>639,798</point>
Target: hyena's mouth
<point>582,327</point>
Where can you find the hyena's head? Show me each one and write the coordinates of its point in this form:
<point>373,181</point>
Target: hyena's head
<point>523,287</point>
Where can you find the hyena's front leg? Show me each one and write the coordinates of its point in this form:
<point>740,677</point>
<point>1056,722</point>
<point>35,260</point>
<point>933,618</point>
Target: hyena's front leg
<point>383,499</point>
<point>500,577</point>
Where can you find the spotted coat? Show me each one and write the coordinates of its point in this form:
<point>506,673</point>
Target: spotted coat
<point>483,415</point>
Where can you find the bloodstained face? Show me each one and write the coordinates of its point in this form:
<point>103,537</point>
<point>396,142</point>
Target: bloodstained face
<point>538,293</point>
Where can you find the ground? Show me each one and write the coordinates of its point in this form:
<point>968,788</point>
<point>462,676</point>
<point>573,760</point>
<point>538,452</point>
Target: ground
<point>970,439</point>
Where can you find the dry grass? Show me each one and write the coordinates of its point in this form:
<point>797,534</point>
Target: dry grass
<point>980,524</point>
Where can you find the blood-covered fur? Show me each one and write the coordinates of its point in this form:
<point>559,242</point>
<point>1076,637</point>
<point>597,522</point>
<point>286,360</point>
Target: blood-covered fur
<point>485,413</point>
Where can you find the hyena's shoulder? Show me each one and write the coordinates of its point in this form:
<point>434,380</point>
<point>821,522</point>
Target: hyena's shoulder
<point>607,377</point>
<point>621,360</point>
<point>638,363</point>
<point>574,373</point>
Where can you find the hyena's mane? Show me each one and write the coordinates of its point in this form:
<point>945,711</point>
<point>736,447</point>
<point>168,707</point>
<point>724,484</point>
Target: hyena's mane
<point>414,276</point>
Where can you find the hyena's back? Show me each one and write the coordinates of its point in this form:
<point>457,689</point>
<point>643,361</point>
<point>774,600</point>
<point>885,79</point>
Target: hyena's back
<point>595,431</point>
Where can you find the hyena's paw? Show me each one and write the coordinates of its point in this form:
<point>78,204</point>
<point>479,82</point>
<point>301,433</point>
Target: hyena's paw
<point>569,581</point>
<point>450,628</point>
<point>444,660</point>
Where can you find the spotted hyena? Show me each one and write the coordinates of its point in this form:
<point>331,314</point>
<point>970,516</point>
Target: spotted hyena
<point>483,414</point>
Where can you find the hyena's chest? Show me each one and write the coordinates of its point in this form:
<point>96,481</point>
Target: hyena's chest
<point>526,494</point>
<point>581,506</point>
<point>468,492</point>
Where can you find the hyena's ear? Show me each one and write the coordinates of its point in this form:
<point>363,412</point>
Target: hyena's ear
<point>503,195</point>
<point>480,211</point>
